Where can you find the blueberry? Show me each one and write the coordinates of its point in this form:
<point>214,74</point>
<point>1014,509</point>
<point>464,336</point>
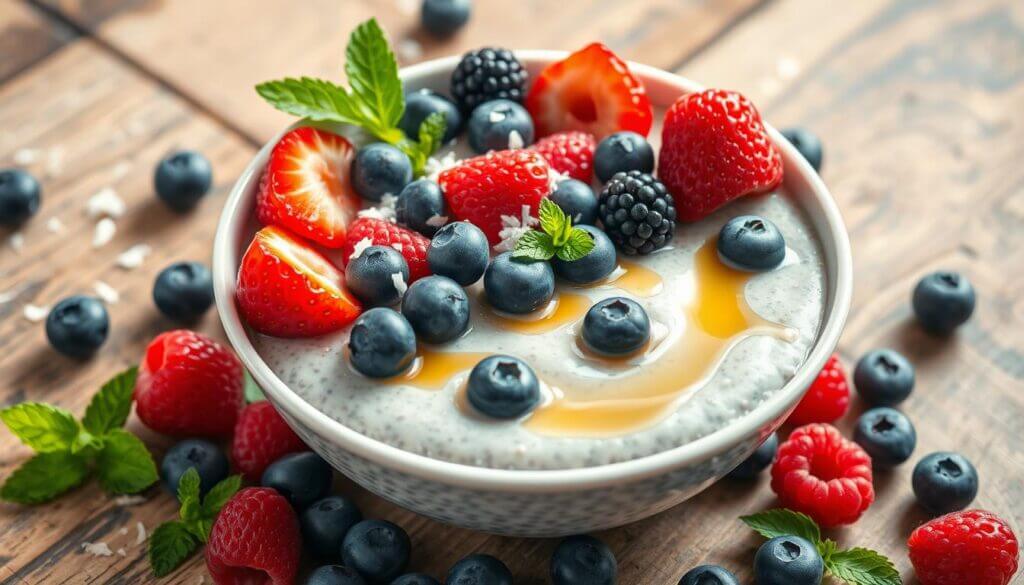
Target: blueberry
<point>334,575</point>
<point>883,377</point>
<point>758,461</point>
<point>807,143</point>
<point>371,275</point>
<point>709,575</point>
<point>502,386</point>
<point>418,202</point>
<point>943,301</point>
<point>751,243</point>
<point>492,123</point>
<point>583,560</point>
<point>77,326</point>
<point>377,549</point>
<point>302,478</point>
<point>459,251</point>
<point>19,196</point>
<point>182,179</point>
<point>380,169</point>
<point>208,459</point>
<point>593,267</point>
<point>479,569</point>
<point>577,200</point>
<point>516,286</point>
<point>415,579</point>
<point>420,104</point>
<point>437,308</point>
<point>183,291</point>
<point>442,18</point>
<point>887,435</point>
<point>326,522</point>
<point>945,482</point>
<point>616,326</point>
<point>382,343</point>
<point>622,152</point>
<point>788,560</point>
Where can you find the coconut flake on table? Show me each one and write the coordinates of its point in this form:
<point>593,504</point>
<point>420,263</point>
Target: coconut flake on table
<point>26,156</point>
<point>133,257</point>
<point>128,500</point>
<point>359,248</point>
<point>140,534</point>
<point>787,68</point>
<point>16,241</point>
<point>105,203</point>
<point>54,161</point>
<point>437,220</point>
<point>105,292</point>
<point>54,225</point>
<point>104,232</point>
<point>407,6</point>
<point>399,281</point>
<point>122,552</point>
<point>514,228</point>
<point>121,170</point>
<point>515,140</point>
<point>35,313</point>
<point>97,549</point>
<point>409,49</point>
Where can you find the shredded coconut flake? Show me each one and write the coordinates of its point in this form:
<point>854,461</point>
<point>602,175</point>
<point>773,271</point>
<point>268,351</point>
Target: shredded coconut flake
<point>16,242</point>
<point>97,549</point>
<point>397,246</point>
<point>104,232</point>
<point>54,225</point>
<point>436,166</point>
<point>121,552</point>
<point>787,68</point>
<point>555,177</point>
<point>140,535</point>
<point>128,500</point>
<point>121,170</point>
<point>105,292</point>
<point>514,228</point>
<point>105,203</point>
<point>35,313</point>
<point>133,257</point>
<point>26,156</point>
<point>123,531</point>
<point>496,116</point>
<point>515,140</point>
<point>407,6</point>
<point>54,161</point>
<point>400,286</point>
<point>437,220</point>
<point>409,49</point>
<point>359,248</point>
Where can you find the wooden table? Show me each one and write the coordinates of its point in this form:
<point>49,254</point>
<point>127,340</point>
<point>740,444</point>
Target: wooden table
<point>919,103</point>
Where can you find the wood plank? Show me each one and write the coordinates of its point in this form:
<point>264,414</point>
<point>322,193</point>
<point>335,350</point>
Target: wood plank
<point>26,36</point>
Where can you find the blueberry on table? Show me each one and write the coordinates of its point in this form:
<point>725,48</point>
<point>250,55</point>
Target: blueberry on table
<point>377,549</point>
<point>326,522</point>
<point>583,560</point>
<point>334,575</point>
<point>491,126</point>
<point>758,461</point>
<point>943,301</point>
<point>751,243</point>
<point>380,169</point>
<point>77,326</point>
<point>887,435</point>
<point>437,308</point>
<point>487,74</point>
<point>416,579</point>
<point>596,265</point>
<point>183,291</point>
<point>503,386</point>
<point>442,18</point>
<point>944,482</point>
<point>208,459</point>
<point>709,575</point>
<point>883,377</point>
<point>616,326</point>
<point>622,152</point>
<point>577,200</point>
<point>419,105</point>
<point>807,143</point>
<point>381,344</point>
<point>637,212</point>
<point>479,569</point>
<point>19,197</point>
<point>182,179</point>
<point>371,275</point>
<point>302,478</point>
<point>459,251</point>
<point>788,560</point>
<point>418,206</point>
<point>518,286</point>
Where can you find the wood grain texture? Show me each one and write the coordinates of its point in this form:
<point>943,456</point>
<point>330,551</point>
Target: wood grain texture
<point>26,36</point>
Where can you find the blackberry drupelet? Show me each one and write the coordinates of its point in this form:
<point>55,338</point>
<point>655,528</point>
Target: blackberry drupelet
<point>488,74</point>
<point>637,212</point>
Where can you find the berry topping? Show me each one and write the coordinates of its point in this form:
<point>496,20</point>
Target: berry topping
<point>479,569</point>
<point>807,143</point>
<point>975,547</point>
<point>77,326</point>
<point>382,343</point>
<point>334,575</point>
<point>822,474</point>
<point>751,243</point>
<point>261,438</point>
<point>418,107</point>
<point>442,18</point>
<point>714,148</point>
<point>379,232</point>
<point>206,458</point>
<point>828,397</point>
<point>758,461</point>
<point>459,251</point>
<point>596,265</point>
<point>378,550</point>
<point>487,74</point>
<point>887,435</point>
<point>943,301</point>
<point>184,291</point>
<point>570,153</point>
<point>502,386</point>
<point>709,575</point>
<point>518,286</point>
<point>188,386</point>
<point>378,276</point>
<point>591,90</point>
<point>302,478</point>
<point>380,169</point>
<point>325,524</point>
<point>499,125</point>
<point>437,308</point>
<point>945,482</point>
<point>583,559</point>
<point>19,196</point>
<point>182,179</point>
<point>421,207</point>
<point>637,212</point>
<point>616,326</point>
<point>883,377</point>
<point>788,560</point>
<point>577,200</point>
<point>623,152</point>
<point>255,539</point>
<point>287,289</point>
<point>306,186</point>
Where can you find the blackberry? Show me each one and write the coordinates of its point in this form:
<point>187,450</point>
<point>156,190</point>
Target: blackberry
<point>488,74</point>
<point>637,212</point>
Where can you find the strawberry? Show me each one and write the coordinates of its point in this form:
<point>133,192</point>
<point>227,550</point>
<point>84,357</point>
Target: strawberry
<point>482,189</point>
<point>306,188</point>
<point>714,148</point>
<point>255,540</point>
<point>261,438</point>
<point>287,289</point>
<point>570,153</point>
<point>411,245</point>
<point>590,90</point>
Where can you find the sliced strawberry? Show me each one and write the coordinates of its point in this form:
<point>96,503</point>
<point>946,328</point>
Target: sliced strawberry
<point>288,289</point>
<point>411,245</point>
<point>591,90</point>
<point>306,188</point>
<point>570,153</point>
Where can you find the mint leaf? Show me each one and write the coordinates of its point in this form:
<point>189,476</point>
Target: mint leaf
<point>372,72</point>
<point>188,495</point>
<point>253,392</point>
<point>534,245</point>
<point>431,134</point>
<point>783,522</point>
<point>109,408</point>
<point>44,477</point>
<point>861,566</point>
<point>169,545</point>
<point>220,494</point>
<point>42,427</point>
<point>578,245</point>
<point>315,99</point>
<point>124,465</point>
<point>552,218</point>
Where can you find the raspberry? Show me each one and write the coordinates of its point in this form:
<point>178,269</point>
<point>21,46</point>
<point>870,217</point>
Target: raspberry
<point>255,539</point>
<point>827,399</point>
<point>820,473</point>
<point>261,438</point>
<point>411,245</point>
<point>970,547</point>
<point>188,386</point>
<point>570,153</point>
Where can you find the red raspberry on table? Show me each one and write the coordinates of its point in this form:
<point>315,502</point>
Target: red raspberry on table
<point>255,539</point>
<point>714,148</point>
<point>384,233</point>
<point>827,399</point>
<point>261,438</point>
<point>822,474</point>
<point>970,547</point>
<point>188,386</point>
<point>570,153</point>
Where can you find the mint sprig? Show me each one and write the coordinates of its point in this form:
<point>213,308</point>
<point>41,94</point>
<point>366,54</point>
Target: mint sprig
<point>374,102</point>
<point>857,566</point>
<point>557,238</point>
<point>69,451</point>
<point>173,542</point>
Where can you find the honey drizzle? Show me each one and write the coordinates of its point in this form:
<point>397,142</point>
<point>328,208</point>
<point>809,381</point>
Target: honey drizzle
<point>564,308</point>
<point>433,369</point>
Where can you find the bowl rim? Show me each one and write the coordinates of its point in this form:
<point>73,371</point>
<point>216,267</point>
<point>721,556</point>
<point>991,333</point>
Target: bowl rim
<point>233,219</point>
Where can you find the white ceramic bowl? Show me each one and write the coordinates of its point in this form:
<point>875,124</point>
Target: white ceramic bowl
<point>546,502</point>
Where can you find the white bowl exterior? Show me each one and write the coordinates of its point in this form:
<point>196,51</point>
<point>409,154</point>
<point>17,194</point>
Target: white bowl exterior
<point>542,502</point>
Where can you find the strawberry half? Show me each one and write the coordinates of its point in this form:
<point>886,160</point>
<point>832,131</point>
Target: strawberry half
<point>591,90</point>
<point>306,187</point>
<point>287,289</point>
